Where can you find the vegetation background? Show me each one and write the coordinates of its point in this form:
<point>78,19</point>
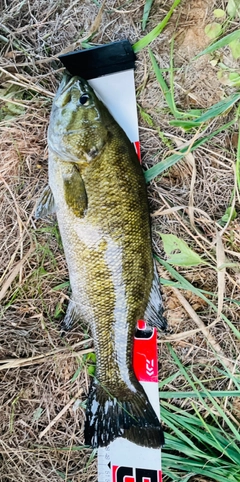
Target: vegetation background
<point>189,132</point>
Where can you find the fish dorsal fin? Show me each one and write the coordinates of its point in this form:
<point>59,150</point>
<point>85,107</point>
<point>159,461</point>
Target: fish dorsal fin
<point>154,311</point>
<point>45,205</point>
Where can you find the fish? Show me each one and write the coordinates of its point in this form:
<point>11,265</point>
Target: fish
<point>98,192</point>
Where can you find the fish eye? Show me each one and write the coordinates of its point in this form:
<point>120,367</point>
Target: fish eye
<point>84,99</point>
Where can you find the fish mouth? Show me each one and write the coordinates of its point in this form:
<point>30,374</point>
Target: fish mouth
<point>70,87</point>
<point>64,93</point>
<point>67,81</point>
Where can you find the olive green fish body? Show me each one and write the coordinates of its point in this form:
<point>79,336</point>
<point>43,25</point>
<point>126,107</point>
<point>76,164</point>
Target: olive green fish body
<point>101,205</point>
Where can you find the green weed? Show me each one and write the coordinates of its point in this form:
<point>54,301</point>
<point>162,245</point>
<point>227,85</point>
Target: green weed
<point>195,447</point>
<point>174,158</point>
<point>198,445</point>
<point>145,41</point>
<point>146,12</point>
<point>179,253</point>
<point>186,285</point>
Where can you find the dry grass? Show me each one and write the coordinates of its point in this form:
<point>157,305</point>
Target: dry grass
<point>38,391</point>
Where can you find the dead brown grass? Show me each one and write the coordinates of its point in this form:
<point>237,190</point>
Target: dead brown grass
<point>42,402</point>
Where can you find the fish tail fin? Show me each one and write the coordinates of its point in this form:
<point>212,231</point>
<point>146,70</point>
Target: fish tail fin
<point>127,414</point>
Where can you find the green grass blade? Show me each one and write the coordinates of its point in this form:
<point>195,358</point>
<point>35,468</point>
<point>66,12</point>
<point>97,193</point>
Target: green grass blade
<point>238,159</point>
<point>218,109</point>
<point>188,415</point>
<point>209,435</point>
<point>214,439</point>
<point>230,375</point>
<point>227,441</point>
<point>162,166</point>
<point>171,80</point>
<point>185,124</point>
<point>174,158</point>
<point>168,92</point>
<point>168,282</point>
<point>224,472</point>
<point>60,287</point>
<point>188,286</point>
<point>194,386</point>
<point>184,372</point>
<point>146,12</point>
<point>220,411</point>
<point>180,463</point>
<point>188,444</point>
<point>165,89</point>
<point>213,393</point>
<point>214,111</point>
<point>192,423</point>
<point>220,43</point>
<point>168,379</point>
<point>145,41</point>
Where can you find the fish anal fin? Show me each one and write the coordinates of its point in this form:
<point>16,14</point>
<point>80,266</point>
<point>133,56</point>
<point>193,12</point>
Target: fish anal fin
<point>154,312</point>
<point>45,205</point>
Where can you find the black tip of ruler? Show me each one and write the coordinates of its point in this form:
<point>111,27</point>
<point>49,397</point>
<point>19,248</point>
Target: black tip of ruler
<point>143,334</point>
<point>101,60</point>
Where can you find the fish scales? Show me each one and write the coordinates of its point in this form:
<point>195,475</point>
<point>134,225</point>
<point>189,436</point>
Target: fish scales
<point>98,190</point>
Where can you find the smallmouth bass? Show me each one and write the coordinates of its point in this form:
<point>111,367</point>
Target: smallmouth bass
<point>97,188</point>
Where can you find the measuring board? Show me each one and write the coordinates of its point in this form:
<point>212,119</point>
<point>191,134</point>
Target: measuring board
<point>124,461</point>
<point>109,70</point>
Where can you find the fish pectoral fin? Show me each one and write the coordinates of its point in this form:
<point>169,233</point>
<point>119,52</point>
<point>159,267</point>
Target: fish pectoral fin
<point>46,204</point>
<point>128,414</point>
<point>74,192</point>
<point>154,312</point>
<point>71,316</point>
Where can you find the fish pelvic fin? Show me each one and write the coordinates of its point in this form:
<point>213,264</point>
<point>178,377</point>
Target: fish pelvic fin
<point>129,415</point>
<point>154,312</point>
<point>45,205</point>
<point>70,317</point>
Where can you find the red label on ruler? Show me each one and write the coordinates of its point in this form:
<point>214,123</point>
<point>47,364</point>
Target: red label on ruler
<point>128,474</point>
<point>137,147</point>
<point>145,361</point>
